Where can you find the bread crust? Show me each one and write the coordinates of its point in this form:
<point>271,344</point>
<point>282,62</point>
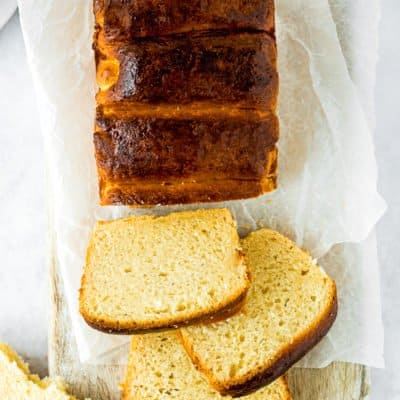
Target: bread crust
<point>193,89</point>
<point>148,194</point>
<point>128,19</point>
<point>232,306</point>
<point>287,357</point>
<point>236,69</point>
<point>287,391</point>
<point>188,149</point>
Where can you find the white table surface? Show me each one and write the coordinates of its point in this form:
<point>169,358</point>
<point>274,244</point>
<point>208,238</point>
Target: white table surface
<point>23,271</point>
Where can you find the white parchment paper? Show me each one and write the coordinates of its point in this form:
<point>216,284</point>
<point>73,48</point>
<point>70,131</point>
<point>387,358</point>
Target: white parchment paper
<point>327,192</point>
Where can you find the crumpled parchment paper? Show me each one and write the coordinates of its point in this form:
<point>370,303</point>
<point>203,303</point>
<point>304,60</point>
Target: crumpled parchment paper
<point>327,192</point>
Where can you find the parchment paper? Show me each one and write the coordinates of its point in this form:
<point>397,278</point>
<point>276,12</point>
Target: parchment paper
<point>327,192</point>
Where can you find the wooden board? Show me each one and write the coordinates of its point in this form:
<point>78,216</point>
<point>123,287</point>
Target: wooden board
<point>339,381</point>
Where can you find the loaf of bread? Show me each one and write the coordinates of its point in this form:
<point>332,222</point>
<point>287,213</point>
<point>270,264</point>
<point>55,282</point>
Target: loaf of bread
<point>148,273</point>
<point>291,305</point>
<point>17,383</point>
<point>186,102</point>
<point>159,369</point>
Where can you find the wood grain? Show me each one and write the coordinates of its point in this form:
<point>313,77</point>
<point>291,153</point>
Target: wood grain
<point>339,381</point>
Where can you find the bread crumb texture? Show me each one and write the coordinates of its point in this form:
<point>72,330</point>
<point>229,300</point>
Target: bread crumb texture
<point>17,383</point>
<point>290,306</point>
<point>153,272</point>
<point>160,369</point>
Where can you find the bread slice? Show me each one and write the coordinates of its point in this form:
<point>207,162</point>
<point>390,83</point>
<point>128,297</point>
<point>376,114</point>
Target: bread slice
<point>290,307</point>
<point>148,273</point>
<point>159,369</point>
<point>16,382</point>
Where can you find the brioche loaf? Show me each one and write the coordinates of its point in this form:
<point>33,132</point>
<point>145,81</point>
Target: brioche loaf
<point>290,306</point>
<point>147,273</point>
<point>159,369</point>
<point>186,107</point>
<point>17,383</point>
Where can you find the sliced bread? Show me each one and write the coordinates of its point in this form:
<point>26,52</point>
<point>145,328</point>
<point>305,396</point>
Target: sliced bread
<point>290,307</point>
<point>160,369</point>
<point>148,273</point>
<point>17,383</point>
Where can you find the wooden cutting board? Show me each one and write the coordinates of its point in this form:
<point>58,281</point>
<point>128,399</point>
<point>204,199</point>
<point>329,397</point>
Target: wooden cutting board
<point>339,381</point>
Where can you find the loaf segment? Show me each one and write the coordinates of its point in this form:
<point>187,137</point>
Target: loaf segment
<point>237,70</point>
<point>124,20</point>
<point>186,155</point>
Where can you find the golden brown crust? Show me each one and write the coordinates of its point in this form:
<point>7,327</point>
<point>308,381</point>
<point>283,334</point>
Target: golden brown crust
<point>125,20</point>
<point>286,384</point>
<point>282,362</point>
<point>188,117</point>
<point>150,194</point>
<point>212,66</point>
<point>228,308</point>
<point>167,150</point>
<point>147,160</point>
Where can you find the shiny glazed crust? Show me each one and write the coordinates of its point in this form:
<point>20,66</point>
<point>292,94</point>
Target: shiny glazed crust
<point>237,68</point>
<point>189,117</point>
<point>135,148</point>
<point>194,166</point>
<point>148,194</point>
<point>127,19</point>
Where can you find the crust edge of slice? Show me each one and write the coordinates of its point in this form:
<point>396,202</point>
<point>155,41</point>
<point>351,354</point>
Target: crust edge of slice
<point>285,383</point>
<point>233,305</point>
